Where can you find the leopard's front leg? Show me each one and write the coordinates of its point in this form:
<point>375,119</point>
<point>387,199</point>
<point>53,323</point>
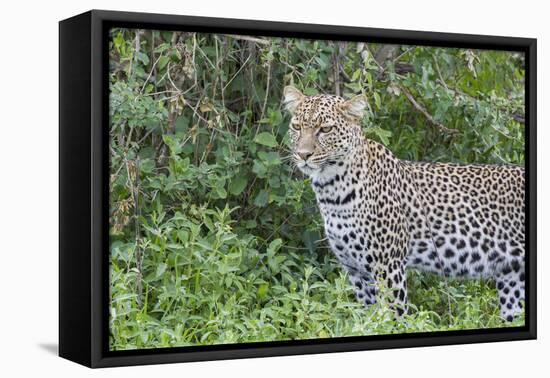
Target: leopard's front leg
<point>392,239</point>
<point>394,278</point>
<point>364,285</point>
<point>391,277</point>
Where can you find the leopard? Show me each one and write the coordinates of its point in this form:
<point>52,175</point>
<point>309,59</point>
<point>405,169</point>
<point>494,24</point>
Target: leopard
<point>383,215</point>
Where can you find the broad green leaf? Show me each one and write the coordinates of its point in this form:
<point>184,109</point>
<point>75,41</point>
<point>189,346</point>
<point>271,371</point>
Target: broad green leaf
<point>237,184</point>
<point>262,290</point>
<point>163,61</point>
<point>221,192</point>
<point>262,198</point>
<point>377,100</point>
<point>161,268</point>
<point>266,139</point>
<point>356,74</point>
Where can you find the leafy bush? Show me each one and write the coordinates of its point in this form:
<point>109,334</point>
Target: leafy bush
<point>216,239</point>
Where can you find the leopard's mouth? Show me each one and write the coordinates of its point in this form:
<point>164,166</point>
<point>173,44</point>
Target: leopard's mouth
<point>311,167</point>
<point>307,167</point>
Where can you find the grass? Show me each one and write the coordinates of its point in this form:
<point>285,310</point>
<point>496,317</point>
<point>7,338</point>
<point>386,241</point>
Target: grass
<point>206,296</point>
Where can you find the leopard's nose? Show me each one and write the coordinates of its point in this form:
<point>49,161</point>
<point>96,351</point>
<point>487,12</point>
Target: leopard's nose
<point>304,154</point>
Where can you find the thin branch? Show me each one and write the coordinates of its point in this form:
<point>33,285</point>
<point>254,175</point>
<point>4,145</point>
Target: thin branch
<point>264,105</point>
<point>336,68</point>
<point>172,117</point>
<point>425,113</point>
<point>384,53</point>
<point>344,74</point>
<point>516,116</point>
<point>236,73</point>
<point>261,41</point>
<point>439,74</point>
<point>150,74</point>
<point>134,183</point>
<point>396,59</point>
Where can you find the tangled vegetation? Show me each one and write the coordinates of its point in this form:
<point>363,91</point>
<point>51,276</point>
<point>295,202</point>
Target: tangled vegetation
<point>214,238</point>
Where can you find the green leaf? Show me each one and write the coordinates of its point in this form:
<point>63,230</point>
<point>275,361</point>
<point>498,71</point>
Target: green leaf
<point>274,246</point>
<point>310,91</point>
<point>118,40</point>
<point>355,87</point>
<point>266,139</point>
<point>221,192</point>
<point>356,74</point>
<point>259,169</point>
<point>377,100</point>
<point>237,184</point>
<point>271,158</point>
<point>384,135</point>
<point>262,290</point>
<point>310,238</point>
<point>262,198</point>
<point>274,181</point>
<point>161,48</point>
<point>163,61</point>
<point>142,57</point>
<point>219,187</point>
<point>161,268</point>
<point>182,123</point>
<point>172,143</point>
<point>322,60</point>
<point>147,166</point>
<point>275,117</point>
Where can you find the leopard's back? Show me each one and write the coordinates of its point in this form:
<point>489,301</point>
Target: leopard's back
<point>466,220</point>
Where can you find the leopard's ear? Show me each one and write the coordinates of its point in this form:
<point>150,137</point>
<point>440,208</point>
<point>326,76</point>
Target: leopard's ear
<point>355,106</point>
<point>292,98</point>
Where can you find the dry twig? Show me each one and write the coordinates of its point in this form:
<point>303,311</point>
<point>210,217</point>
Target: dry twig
<point>416,105</point>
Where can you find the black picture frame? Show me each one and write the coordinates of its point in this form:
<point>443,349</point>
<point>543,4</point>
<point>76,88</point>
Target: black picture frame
<point>83,195</point>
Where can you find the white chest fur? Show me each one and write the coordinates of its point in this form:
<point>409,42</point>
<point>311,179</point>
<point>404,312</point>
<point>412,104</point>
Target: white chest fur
<point>337,195</point>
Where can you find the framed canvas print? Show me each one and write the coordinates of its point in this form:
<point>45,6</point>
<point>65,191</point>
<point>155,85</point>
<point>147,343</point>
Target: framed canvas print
<point>234,188</point>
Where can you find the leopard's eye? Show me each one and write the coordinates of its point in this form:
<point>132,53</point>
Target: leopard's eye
<point>326,129</point>
<point>295,126</point>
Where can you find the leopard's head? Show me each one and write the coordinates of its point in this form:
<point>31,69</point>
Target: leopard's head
<point>323,130</point>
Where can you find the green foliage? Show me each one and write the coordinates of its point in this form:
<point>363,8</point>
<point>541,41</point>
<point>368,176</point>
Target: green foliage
<point>214,236</point>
